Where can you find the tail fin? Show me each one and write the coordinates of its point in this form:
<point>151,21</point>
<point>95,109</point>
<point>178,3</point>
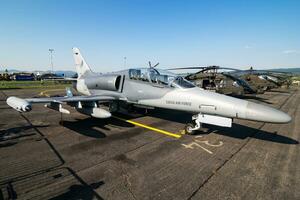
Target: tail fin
<point>81,66</point>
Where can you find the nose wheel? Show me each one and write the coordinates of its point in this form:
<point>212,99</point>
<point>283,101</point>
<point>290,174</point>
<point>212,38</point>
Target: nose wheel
<point>191,128</point>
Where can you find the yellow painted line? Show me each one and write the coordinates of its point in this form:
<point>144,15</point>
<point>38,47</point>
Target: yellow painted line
<point>44,94</point>
<point>150,128</point>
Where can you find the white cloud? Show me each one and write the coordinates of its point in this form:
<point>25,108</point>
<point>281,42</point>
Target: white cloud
<point>248,46</point>
<point>290,52</point>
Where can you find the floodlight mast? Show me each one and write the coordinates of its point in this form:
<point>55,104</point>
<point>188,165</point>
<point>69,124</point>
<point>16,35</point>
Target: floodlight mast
<point>51,59</point>
<point>125,58</point>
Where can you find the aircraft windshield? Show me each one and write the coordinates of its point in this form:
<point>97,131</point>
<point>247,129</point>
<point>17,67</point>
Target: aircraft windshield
<point>159,77</point>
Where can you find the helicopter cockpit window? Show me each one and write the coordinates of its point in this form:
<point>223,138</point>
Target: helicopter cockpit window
<point>138,74</point>
<point>235,84</point>
<point>157,78</point>
<point>134,74</point>
<point>182,83</point>
<point>222,84</point>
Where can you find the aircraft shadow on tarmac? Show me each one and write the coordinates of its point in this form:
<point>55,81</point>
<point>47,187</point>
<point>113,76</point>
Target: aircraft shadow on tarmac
<point>171,115</point>
<point>17,132</point>
<point>19,129</point>
<point>255,98</point>
<point>280,91</point>
<point>88,126</point>
<point>64,178</point>
<point>82,190</point>
<point>8,144</point>
<point>12,88</point>
<point>4,108</point>
<point>243,132</point>
<point>6,136</point>
<point>78,191</point>
<point>236,131</point>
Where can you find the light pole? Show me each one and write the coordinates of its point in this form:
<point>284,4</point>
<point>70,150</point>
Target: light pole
<point>125,62</point>
<point>51,58</point>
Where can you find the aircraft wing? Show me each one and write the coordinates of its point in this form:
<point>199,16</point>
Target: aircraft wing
<point>70,99</point>
<point>24,105</point>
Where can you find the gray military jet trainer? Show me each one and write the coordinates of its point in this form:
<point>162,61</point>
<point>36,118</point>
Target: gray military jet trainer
<point>150,88</point>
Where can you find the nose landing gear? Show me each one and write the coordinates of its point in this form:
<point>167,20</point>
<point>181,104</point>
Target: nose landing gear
<point>191,128</point>
<point>200,118</point>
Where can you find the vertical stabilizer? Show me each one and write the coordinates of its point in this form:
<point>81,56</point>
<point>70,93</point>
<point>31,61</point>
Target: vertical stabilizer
<point>81,66</point>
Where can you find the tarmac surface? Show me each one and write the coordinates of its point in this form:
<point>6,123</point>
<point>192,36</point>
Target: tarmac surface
<point>87,158</point>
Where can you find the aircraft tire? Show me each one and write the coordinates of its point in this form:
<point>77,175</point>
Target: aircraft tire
<point>188,129</point>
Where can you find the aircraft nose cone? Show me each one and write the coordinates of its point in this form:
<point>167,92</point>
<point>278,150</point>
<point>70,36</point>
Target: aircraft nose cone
<point>263,113</point>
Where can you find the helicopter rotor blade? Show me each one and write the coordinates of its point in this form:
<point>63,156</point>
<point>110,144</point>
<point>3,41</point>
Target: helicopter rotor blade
<point>156,65</point>
<point>205,68</point>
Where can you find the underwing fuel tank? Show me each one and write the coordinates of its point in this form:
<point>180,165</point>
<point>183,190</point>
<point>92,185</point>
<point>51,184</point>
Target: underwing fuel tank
<point>58,107</point>
<point>18,104</point>
<point>94,112</point>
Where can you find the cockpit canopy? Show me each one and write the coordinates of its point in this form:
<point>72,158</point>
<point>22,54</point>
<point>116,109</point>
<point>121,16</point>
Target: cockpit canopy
<point>159,77</point>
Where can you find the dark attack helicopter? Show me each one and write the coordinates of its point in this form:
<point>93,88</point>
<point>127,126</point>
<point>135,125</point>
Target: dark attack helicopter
<point>263,80</point>
<point>209,78</point>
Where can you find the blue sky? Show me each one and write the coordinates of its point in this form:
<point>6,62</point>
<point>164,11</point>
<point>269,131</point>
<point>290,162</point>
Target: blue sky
<point>263,34</point>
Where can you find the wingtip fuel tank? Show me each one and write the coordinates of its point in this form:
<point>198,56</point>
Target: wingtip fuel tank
<point>18,104</point>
